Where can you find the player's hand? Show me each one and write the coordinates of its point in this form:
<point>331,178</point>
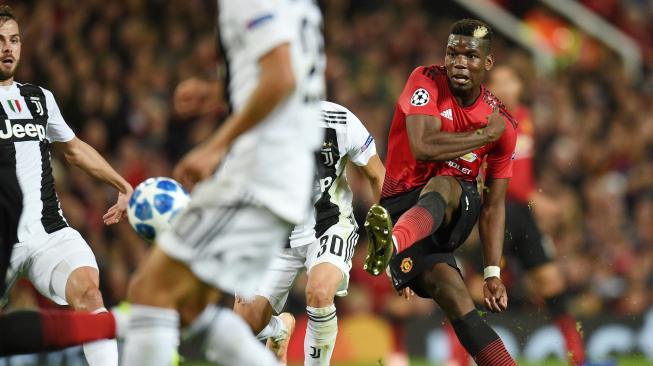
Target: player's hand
<point>496,124</point>
<point>198,164</point>
<point>496,297</point>
<point>115,213</point>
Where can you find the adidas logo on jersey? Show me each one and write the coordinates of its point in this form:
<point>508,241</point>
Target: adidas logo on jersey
<point>448,114</point>
<point>18,131</point>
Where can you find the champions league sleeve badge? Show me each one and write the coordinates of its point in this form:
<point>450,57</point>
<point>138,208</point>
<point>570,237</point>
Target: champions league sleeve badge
<point>420,97</point>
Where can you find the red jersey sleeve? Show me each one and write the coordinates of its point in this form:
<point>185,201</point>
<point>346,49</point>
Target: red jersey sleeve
<point>501,157</point>
<point>420,94</point>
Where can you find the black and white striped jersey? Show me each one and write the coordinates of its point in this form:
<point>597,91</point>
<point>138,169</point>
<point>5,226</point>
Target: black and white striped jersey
<point>345,139</point>
<point>30,121</point>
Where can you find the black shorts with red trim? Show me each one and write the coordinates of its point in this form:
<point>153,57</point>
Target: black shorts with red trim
<point>437,248</point>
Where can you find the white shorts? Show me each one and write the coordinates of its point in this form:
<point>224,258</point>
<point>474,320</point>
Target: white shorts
<point>227,243</point>
<point>48,261</point>
<point>335,246</point>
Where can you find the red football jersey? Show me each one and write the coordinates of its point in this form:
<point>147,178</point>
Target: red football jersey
<point>427,92</point>
<point>522,183</point>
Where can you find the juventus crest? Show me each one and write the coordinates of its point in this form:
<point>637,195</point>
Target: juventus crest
<point>37,103</point>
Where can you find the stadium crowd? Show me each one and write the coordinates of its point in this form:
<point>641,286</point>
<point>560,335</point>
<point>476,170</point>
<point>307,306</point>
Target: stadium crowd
<point>113,67</point>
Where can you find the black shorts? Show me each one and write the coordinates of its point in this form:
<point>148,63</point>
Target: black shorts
<point>523,238</point>
<point>437,248</point>
<point>11,205</point>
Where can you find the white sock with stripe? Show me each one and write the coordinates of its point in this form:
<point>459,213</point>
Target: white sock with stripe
<point>274,329</point>
<point>320,336</point>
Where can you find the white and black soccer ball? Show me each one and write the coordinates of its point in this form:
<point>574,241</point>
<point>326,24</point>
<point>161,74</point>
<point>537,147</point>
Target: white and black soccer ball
<point>153,205</point>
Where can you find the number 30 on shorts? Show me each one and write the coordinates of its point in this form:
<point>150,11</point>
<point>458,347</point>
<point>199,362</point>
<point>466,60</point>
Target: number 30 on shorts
<point>335,244</point>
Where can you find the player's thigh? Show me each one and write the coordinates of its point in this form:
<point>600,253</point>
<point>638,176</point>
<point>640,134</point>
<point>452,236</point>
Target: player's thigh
<point>50,261</point>
<point>329,262</point>
<point>227,244</point>
<point>163,281</point>
<point>279,277</point>
<point>449,188</point>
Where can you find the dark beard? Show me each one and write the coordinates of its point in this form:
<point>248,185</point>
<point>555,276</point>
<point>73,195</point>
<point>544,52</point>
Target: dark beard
<point>7,75</point>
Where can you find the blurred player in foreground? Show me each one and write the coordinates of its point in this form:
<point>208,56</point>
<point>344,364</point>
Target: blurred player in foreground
<point>445,124</point>
<point>52,255</point>
<point>323,245</point>
<point>241,215</point>
<point>524,240</point>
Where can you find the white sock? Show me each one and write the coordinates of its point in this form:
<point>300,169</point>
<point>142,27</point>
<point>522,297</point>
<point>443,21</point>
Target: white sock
<point>274,329</point>
<point>320,336</point>
<point>103,352</point>
<point>152,336</point>
<point>202,323</point>
<point>230,342</point>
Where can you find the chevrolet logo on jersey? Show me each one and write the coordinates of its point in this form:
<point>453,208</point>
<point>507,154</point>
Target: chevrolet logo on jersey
<point>469,157</point>
<point>22,130</point>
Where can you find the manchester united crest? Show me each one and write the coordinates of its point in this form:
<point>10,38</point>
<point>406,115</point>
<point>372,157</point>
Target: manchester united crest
<point>406,265</point>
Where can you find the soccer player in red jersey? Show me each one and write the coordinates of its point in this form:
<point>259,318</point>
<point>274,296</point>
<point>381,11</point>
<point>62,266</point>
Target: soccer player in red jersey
<point>525,241</point>
<point>445,124</point>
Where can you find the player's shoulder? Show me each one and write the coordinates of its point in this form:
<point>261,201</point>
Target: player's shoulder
<point>33,90</point>
<point>336,114</point>
<point>492,102</point>
<point>432,72</point>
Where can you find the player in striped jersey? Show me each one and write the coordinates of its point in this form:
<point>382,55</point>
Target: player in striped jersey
<point>323,245</point>
<point>52,255</point>
<point>254,178</point>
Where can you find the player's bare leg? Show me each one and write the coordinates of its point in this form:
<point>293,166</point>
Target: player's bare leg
<point>322,328</point>
<point>438,200</point>
<point>445,285</point>
<point>257,313</point>
<point>83,293</point>
<point>160,287</point>
<point>549,284</point>
<point>275,330</point>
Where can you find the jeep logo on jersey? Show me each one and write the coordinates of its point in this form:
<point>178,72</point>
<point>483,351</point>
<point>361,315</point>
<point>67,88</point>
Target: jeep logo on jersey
<point>22,130</point>
<point>420,97</point>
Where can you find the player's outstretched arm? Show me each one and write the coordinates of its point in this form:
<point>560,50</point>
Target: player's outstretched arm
<point>82,155</point>
<point>491,228</point>
<point>428,142</point>
<point>276,81</point>
<point>374,172</point>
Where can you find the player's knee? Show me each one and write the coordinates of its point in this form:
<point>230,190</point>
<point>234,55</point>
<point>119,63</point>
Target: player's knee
<point>438,184</point>
<point>82,289</point>
<point>87,297</point>
<point>319,296</point>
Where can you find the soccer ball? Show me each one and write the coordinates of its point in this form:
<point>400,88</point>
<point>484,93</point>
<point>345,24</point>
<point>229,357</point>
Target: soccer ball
<point>153,205</point>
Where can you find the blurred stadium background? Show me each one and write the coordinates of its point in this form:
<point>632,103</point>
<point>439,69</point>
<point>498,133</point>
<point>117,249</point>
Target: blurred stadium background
<point>588,67</point>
